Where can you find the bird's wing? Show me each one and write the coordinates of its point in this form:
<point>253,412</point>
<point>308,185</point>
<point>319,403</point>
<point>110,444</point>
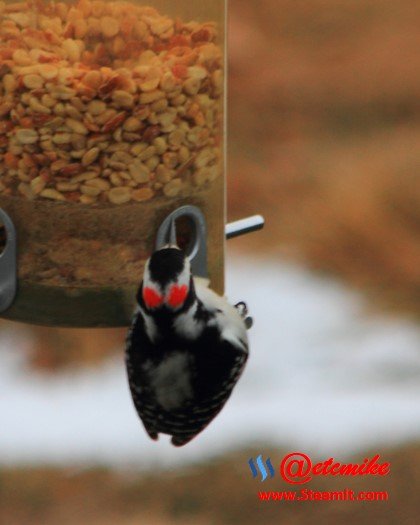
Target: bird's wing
<point>137,343</point>
<point>214,380</point>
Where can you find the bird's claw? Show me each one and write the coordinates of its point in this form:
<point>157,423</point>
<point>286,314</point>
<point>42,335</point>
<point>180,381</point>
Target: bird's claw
<point>243,312</point>
<point>242,308</point>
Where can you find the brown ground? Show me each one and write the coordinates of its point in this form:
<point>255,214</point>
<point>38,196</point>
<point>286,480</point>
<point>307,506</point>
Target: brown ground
<point>222,492</point>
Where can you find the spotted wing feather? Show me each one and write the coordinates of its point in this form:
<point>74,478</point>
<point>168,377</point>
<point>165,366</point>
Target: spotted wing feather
<point>224,371</point>
<point>137,377</point>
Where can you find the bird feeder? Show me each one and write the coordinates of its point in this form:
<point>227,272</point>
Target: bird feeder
<point>112,118</point>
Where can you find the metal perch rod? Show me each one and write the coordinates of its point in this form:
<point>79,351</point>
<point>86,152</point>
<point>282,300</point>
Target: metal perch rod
<point>243,226</point>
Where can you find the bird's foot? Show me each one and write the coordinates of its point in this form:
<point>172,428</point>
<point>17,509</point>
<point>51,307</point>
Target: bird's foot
<point>243,312</point>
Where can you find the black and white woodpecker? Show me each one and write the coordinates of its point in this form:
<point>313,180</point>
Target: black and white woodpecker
<point>186,349</point>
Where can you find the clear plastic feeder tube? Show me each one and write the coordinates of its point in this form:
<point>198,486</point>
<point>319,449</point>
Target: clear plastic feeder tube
<point>112,115</point>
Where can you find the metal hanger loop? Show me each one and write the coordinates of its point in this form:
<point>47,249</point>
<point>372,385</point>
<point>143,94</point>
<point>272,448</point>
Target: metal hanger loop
<point>8,267</point>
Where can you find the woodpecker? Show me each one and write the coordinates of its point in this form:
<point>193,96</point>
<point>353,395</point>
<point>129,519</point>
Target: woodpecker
<point>186,349</point>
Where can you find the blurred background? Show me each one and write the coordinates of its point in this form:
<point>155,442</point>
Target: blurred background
<point>324,133</point>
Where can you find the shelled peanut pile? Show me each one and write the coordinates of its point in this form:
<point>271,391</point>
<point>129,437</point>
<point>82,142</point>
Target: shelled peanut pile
<point>106,102</point>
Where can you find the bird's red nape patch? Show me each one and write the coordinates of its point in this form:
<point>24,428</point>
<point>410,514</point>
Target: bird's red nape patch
<point>177,295</point>
<point>151,298</point>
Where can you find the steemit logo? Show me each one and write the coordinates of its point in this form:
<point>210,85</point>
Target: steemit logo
<point>297,468</point>
<point>261,467</point>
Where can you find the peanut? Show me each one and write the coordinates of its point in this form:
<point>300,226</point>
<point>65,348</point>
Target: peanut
<point>67,186</point>
<point>101,184</point>
<point>90,190</point>
<point>86,95</point>
<point>61,138</point>
<point>151,96</point>
<point>139,172</point>
<point>119,195</point>
<point>76,126</point>
<point>123,99</point>
<point>96,107</point>
<point>172,188</point>
<point>142,194</point>
<point>90,156</point>
<point>132,124</point>
<point>52,194</point>
<point>38,184</point>
<point>110,26</point>
<point>72,50</point>
<point>27,136</point>
<point>33,81</point>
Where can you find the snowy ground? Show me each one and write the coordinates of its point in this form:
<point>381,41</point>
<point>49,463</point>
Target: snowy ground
<point>323,377</point>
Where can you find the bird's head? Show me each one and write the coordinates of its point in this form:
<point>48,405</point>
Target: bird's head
<point>167,280</point>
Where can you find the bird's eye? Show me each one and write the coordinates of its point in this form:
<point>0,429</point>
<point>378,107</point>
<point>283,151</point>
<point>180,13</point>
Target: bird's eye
<point>151,298</point>
<point>177,295</point>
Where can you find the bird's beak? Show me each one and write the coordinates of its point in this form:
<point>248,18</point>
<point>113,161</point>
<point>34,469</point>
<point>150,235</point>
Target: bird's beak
<point>171,239</point>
